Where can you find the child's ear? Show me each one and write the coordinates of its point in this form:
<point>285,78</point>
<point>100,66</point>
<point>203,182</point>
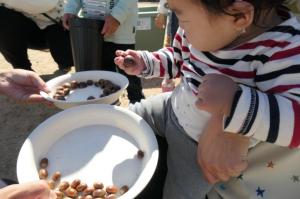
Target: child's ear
<point>243,14</point>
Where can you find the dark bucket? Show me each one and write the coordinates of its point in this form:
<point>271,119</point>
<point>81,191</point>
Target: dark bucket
<point>86,42</point>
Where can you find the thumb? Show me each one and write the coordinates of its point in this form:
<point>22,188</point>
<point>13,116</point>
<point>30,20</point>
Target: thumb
<point>38,82</point>
<point>33,98</point>
<point>119,61</point>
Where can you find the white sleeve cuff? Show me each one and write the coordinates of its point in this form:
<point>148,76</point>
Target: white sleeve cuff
<point>152,65</point>
<point>234,123</point>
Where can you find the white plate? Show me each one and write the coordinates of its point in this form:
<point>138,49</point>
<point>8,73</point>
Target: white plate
<point>93,143</point>
<point>79,96</point>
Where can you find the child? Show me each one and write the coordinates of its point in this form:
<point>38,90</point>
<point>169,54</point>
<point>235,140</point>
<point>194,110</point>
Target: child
<point>120,18</point>
<point>239,65</point>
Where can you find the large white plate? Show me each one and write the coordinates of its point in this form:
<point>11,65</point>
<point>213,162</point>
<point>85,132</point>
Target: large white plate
<point>79,96</point>
<point>93,143</point>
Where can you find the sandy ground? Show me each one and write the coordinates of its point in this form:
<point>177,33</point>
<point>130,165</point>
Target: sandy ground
<point>18,120</point>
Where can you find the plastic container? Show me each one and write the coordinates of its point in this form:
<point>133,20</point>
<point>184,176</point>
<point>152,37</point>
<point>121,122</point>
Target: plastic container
<point>86,43</point>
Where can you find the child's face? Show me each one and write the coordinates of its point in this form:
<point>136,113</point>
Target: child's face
<point>204,30</point>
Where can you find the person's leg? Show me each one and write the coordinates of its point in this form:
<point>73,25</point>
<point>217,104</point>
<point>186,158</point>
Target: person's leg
<point>184,173</point>
<point>16,29</point>
<point>134,89</point>
<point>152,110</point>
<point>58,41</point>
<point>108,56</point>
<point>184,178</point>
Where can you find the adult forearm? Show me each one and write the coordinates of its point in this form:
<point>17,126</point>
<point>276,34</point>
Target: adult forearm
<point>39,189</point>
<point>10,192</point>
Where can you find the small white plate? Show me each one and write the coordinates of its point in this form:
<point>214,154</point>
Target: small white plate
<point>93,143</point>
<point>79,96</point>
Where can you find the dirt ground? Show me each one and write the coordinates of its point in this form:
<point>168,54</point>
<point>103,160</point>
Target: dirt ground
<point>18,120</point>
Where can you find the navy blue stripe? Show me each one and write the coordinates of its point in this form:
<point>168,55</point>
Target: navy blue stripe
<point>254,113</point>
<point>274,119</point>
<point>192,81</point>
<point>261,58</point>
<point>272,75</point>
<point>295,94</point>
<point>233,107</point>
<point>198,70</point>
<point>248,58</point>
<point>177,50</point>
<point>169,60</point>
<point>178,66</point>
<point>285,29</point>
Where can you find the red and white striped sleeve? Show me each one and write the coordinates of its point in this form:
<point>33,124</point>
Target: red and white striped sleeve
<point>166,62</point>
<point>271,112</point>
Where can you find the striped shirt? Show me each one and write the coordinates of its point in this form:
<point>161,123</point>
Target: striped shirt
<point>266,67</point>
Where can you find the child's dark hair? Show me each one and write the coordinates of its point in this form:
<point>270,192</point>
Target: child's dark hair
<point>219,6</point>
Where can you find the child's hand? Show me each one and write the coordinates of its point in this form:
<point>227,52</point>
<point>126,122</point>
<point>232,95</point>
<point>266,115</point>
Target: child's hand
<point>221,155</point>
<point>66,20</point>
<point>216,93</point>
<point>110,26</point>
<point>130,61</point>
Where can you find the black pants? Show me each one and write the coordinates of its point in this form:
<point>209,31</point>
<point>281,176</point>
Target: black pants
<point>134,88</point>
<point>174,25</point>
<point>18,33</point>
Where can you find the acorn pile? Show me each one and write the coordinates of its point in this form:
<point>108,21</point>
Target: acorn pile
<point>78,189</point>
<point>107,87</point>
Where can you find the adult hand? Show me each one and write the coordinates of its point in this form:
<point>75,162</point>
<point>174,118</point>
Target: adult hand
<point>130,61</point>
<point>221,155</point>
<point>66,20</point>
<point>216,93</point>
<point>160,21</point>
<point>110,26</point>
<point>22,85</point>
<point>32,190</point>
